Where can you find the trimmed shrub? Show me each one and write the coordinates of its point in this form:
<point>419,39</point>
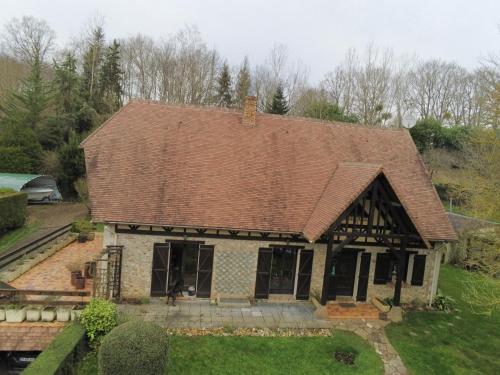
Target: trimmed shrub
<point>135,347</point>
<point>62,354</point>
<point>98,318</point>
<point>12,209</point>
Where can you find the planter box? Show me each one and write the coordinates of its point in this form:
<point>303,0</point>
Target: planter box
<point>63,315</point>
<point>2,314</point>
<point>76,312</point>
<point>49,314</point>
<point>74,275</point>
<point>383,307</point>
<point>15,315</point>
<point>33,314</point>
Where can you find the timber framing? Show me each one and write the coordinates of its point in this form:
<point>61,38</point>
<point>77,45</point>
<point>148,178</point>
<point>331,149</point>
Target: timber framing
<point>377,213</point>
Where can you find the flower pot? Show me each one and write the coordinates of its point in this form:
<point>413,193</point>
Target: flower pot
<point>49,314</point>
<point>74,275</point>
<point>76,312</point>
<point>15,314</point>
<point>80,282</point>
<point>90,236</point>
<point>82,237</point>
<point>2,314</point>
<point>33,314</point>
<point>63,314</point>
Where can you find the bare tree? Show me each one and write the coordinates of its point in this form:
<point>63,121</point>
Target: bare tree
<point>28,39</point>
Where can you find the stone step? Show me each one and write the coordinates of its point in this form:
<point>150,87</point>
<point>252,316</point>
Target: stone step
<point>234,302</point>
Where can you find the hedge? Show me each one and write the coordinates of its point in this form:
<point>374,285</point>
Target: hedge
<point>14,160</point>
<point>12,209</point>
<point>134,347</point>
<point>62,354</point>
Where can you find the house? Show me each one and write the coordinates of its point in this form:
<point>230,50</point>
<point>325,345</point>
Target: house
<point>255,205</point>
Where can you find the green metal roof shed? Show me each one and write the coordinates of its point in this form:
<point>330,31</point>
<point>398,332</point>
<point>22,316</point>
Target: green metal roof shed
<point>32,184</point>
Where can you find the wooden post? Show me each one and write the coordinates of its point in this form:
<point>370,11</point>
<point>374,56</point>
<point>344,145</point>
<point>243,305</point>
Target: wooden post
<point>400,267</point>
<point>328,268</point>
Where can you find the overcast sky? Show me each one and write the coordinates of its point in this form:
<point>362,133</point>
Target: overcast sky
<point>318,33</point>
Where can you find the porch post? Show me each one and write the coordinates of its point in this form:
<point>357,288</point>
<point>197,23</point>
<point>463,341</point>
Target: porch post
<point>328,268</point>
<point>400,267</point>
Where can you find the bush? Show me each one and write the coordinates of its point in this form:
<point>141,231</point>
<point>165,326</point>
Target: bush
<point>62,354</point>
<point>98,318</point>
<point>443,303</point>
<point>134,347</point>
<point>14,160</point>
<point>12,209</point>
<point>82,226</point>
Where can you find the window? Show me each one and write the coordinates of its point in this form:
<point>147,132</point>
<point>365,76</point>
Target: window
<point>386,266</point>
<point>417,277</point>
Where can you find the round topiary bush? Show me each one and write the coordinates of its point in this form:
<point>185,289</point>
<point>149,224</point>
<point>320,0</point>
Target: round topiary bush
<point>134,347</point>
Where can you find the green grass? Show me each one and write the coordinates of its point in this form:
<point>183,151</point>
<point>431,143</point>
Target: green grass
<point>10,238</point>
<point>262,355</point>
<point>458,343</point>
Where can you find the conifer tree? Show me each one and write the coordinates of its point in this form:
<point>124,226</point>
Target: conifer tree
<point>92,61</point>
<point>243,83</point>
<point>111,79</point>
<point>279,105</point>
<point>224,97</point>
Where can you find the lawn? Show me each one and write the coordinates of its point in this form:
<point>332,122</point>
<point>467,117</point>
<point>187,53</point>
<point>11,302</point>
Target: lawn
<point>10,238</point>
<point>458,343</point>
<point>263,355</point>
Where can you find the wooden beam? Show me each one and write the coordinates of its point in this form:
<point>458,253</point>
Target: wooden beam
<point>399,274</point>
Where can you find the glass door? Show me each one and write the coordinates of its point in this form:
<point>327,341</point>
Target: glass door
<point>283,271</point>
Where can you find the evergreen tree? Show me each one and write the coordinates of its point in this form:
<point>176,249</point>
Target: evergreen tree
<point>72,163</point>
<point>323,110</point>
<point>243,83</point>
<point>279,105</point>
<point>92,62</point>
<point>111,79</point>
<point>66,86</point>
<point>28,107</point>
<point>224,98</point>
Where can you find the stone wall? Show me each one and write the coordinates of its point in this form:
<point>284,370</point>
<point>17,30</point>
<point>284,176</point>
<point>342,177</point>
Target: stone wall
<point>235,265</point>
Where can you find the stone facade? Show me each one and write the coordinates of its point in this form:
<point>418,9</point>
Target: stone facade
<point>235,264</point>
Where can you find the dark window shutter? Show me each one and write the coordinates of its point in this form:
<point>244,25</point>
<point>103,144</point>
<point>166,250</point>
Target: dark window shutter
<point>364,271</point>
<point>382,268</point>
<point>205,265</point>
<point>304,275</point>
<point>417,277</point>
<point>159,270</point>
<point>263,273</point>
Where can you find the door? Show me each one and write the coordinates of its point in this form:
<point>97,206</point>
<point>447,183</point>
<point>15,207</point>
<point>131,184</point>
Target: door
<point>160,270</point>
<point>283,271</point>
<point>304,274</point>
<point>341,277</point>
<point>205,264</point>
<point>364,270</point>
<point>263,273</point>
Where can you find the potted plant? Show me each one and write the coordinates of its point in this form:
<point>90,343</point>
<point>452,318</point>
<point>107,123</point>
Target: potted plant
<point>63,314</point>
<point>82,237</point>
<point>33,314</point>
<point>2,314</point>
<point>80,282</point>
<point>75,267</point>
<point>15,313</point>
<point>76,311</point>
<point>49,314</point>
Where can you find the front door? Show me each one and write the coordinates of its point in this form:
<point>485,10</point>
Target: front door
<point>341,277</point>
<point>283,271</point>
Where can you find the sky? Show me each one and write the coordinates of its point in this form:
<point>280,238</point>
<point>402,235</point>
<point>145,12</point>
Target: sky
<point>316,33</point>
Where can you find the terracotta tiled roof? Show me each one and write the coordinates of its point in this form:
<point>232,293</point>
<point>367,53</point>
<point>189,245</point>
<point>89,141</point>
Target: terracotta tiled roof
<point>201,167</point>
<point>348,181</point>
<point>28,336</point>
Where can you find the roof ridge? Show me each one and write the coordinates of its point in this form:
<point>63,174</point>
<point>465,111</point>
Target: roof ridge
<point>310,120</point>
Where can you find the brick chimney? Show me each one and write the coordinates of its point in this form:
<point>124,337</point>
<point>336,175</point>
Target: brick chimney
<point>249,111</point>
